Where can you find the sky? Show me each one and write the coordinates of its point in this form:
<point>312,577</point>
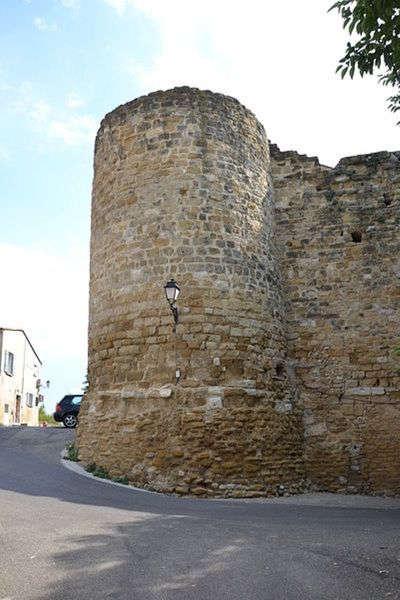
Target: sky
<point>65,63</point>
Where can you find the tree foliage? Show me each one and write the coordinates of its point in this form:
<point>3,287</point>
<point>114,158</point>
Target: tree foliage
<point>45,417</point>
<point>377,47</point>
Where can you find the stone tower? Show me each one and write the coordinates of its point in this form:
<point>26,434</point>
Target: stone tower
<point>182,189</point>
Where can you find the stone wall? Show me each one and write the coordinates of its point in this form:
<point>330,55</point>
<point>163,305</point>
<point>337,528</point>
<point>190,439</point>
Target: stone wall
<point>289,317</point>
<point>340,230</point>
<point>182,188</point>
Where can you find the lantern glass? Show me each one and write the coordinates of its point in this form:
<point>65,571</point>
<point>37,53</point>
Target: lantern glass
<point>172,291</point>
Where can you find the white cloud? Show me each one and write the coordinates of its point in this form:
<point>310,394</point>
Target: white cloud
<point>70,3</point>
<point>73,130</point>
<point>47,296</point>
<point>43,25</point>
<point>74,101</point>
<point>4,154</point>
<point>277,58</point>
<point>39,111</point>
<point>52,122</point>
<point>118,5</point>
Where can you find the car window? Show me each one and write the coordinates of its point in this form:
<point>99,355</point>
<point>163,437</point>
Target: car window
<point>76,400</point>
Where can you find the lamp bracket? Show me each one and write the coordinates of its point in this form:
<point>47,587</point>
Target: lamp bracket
<point>175,313</point>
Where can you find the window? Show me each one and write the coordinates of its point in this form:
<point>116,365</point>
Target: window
<point>29,399</point>
<point>76,400</point>
<point>6,408</point>
<point>9,363</point>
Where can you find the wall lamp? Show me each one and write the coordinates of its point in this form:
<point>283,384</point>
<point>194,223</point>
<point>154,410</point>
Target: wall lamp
<point>172,292</point>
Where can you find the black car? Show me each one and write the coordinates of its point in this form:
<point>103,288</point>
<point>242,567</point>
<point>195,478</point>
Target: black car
<point>68,409</point>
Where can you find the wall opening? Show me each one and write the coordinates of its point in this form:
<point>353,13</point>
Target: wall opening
<point>356,236</point>
<point>387,200</point>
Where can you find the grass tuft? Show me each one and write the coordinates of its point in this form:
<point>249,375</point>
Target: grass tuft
<point>104,474</point>
<point>71,452</point>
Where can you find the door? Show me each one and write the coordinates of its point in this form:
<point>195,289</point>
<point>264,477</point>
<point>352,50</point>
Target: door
<point>17,414</point>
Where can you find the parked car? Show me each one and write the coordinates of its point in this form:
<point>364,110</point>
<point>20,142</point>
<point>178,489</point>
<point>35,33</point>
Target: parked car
<point>67,410</point>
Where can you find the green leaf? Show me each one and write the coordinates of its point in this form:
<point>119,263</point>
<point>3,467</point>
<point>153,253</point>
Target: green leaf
<point>377,26</point>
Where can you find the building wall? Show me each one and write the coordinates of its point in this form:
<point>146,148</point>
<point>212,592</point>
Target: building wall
<point>23,381</point>
<point>343,301</point>
<point>182,188</point>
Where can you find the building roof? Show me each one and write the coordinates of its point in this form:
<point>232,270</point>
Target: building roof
<point>26,337</point>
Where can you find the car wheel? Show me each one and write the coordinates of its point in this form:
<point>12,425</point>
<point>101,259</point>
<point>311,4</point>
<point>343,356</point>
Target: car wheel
<point>70,421</point>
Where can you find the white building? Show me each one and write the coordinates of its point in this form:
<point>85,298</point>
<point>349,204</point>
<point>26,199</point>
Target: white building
<point>19,379</point>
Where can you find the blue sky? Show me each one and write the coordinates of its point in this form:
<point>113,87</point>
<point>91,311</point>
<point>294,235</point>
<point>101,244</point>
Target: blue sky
<point>61,70</point>
<point>65,63</point>
<point>59,75</point>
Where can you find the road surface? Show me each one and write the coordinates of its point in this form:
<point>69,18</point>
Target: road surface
<point>67,537</point>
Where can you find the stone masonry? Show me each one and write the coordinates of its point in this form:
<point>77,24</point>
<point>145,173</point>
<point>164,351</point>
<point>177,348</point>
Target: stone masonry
<point>289,274</point>
<point>339,229</point>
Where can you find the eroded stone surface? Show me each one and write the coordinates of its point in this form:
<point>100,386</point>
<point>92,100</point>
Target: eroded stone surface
<point>182,189</point>
<point>288,311</point>
<point>343,313</point>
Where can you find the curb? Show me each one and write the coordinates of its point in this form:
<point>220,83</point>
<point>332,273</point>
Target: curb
<point>79,470</point>
<point>337,500</point>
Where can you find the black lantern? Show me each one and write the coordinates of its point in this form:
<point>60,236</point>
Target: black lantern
<point>172,291</point>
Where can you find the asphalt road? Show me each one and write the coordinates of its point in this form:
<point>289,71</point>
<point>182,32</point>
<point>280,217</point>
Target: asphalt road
<point>64,536</point>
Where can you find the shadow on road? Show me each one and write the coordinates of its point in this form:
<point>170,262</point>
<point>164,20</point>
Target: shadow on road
<point>170,557</point>
<point>153,557</point>
<point>113,543</point>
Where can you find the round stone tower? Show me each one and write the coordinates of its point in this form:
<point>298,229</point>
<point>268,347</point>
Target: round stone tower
<point>182,189</point>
